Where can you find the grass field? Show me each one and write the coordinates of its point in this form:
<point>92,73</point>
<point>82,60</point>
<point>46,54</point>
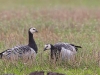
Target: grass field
<point>72,21</point>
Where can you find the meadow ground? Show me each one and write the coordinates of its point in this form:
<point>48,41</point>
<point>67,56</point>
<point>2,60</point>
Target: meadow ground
<point>76,22</point>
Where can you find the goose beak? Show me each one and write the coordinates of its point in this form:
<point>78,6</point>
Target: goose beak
<point>36,30</point>
<point>44,49</point>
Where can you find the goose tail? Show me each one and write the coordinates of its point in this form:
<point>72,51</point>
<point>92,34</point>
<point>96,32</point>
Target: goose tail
<point>1,54</point>
<point>78,46</point>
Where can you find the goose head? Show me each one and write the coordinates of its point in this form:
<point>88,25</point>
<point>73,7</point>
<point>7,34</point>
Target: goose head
<point>32,30</point>
<point>47,47</point>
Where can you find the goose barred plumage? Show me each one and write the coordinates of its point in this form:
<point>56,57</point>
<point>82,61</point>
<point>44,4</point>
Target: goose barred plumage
<point>65,50</point>
<point>22,51</point>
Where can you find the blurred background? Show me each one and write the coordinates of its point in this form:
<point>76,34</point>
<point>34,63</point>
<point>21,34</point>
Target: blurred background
<point>72,21</point>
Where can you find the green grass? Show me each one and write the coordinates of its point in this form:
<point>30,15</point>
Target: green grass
<point>76,22</point>
<point>36,4</point>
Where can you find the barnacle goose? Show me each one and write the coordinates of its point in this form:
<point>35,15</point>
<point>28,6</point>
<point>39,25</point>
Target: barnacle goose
<point>63,50</point>
<point>23,51</point>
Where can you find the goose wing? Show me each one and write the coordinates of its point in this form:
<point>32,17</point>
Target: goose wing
<point>17,51</point>
<point>64,45</point>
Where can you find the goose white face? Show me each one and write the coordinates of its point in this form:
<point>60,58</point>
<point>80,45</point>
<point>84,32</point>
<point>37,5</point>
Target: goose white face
<point>33,30</point>
<point>47,46</point>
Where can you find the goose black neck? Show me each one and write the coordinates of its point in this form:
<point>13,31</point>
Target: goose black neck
<point>55,52</point>
<point>52,47</point>
<point>52,51</point>
<point>32,43</point>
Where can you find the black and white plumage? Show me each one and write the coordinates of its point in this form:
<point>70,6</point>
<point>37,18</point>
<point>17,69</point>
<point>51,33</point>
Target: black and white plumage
<point>63,50</point>
<point>22,51</point>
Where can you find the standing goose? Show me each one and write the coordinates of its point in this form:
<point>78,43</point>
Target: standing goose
<point>65,50</point>
<point>23,51</point>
